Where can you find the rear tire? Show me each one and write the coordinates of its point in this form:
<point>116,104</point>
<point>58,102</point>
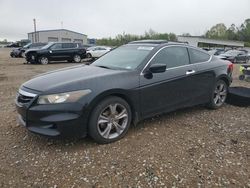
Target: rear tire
<point>219,95</point>
<point>77,58</point>
<point>242,77</point>
<point>110,120</point>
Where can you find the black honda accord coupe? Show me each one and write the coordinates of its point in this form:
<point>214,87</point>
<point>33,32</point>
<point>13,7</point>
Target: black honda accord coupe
<point>131,83</point>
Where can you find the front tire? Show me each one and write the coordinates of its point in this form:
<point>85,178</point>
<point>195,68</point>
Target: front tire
<point>110,120</point>
<point>22,54</point>
<point>219,95</point>
<point>89,55</point>
<point>44,60</point>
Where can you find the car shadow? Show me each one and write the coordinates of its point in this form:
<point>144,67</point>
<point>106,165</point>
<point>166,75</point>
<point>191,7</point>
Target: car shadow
<point>167,116</point>
<point>87,142</point>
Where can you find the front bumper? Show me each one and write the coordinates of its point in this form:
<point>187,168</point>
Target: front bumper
<point>31,58</point>
<point>64,120</point>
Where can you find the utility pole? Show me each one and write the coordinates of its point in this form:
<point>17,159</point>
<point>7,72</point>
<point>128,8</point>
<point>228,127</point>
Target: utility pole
<point>34,20</point>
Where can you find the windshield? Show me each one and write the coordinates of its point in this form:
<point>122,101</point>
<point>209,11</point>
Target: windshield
<point>125,57</point>
<point>47,45</point>
<point>91,48</point>
<point>27,45</point>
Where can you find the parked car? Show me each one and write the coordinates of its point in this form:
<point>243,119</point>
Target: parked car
<point>97,51</point>
<point>13,45</point>
<point>235,56</point>
<point>128,84</point>
<point>216,51</point>
<point>20,52</point>
<point>55,51</point>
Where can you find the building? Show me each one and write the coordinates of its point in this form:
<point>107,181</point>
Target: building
<point>201,41</point>
<point>57,35</point>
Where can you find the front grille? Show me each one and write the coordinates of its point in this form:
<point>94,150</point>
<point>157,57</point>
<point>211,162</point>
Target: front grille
<point>24,97</point>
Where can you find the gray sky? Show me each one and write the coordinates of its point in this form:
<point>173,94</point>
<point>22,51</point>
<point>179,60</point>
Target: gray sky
<point>104,18</point>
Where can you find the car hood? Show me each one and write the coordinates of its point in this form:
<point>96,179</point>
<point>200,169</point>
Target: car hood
<point>34,49</point>
<point>73,78</point>
<point>16,49</point>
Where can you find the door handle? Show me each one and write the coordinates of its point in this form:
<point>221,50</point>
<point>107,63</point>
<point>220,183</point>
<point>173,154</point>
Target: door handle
<point>190,72</point>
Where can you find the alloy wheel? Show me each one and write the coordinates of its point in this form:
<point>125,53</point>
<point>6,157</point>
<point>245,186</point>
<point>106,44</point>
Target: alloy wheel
<point>77,58</point>
<point>112,121</point>
<point>44,60</point>
<point>220,94</point>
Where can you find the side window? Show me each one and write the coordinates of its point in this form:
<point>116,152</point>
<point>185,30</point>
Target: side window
<point>36,44</point>
<point>65,45</point>
<point>197,56</point>
<point>172,57</point>
<point>56,46</point>
<point>69,45</point>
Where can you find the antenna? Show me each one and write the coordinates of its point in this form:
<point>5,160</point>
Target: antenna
<point>61,24</point>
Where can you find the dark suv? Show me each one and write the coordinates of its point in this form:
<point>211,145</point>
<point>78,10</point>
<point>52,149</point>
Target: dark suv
<point>20,52</point>
<point>72,52</point>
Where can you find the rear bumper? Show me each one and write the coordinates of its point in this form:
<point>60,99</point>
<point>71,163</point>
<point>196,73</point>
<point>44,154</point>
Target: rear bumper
<point>61,120</point>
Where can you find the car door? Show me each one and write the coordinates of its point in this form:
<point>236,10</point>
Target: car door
<point>95,52</point>
<point>171,89</point>
<point>68,50</point>
<point>204,78</point>
<point>103,51</point>
<point>56,52</point>
<point>99,51</point>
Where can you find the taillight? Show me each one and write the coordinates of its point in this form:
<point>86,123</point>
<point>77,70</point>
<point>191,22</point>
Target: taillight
<point>230,68</point>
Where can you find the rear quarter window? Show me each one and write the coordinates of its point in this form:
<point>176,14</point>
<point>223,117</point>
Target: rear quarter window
<point>197,56</point>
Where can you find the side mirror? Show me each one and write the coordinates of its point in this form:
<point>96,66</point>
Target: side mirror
<point>157,68</point>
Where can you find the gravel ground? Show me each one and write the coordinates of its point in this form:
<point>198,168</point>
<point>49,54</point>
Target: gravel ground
<point>193,147</point>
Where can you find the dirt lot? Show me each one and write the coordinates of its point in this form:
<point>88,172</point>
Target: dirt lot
<point>194,147</point>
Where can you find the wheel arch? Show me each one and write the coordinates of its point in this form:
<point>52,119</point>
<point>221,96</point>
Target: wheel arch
<point>225,78</point>
<point>116,93</point>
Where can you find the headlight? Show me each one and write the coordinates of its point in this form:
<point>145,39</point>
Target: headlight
<point>62,97</point>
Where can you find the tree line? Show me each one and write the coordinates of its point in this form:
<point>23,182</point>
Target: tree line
<point>219,31</point>
<point>125,38</point>
<point>241,33</point>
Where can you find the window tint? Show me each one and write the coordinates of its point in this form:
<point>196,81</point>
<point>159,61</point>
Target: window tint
<point>56,46</point>
<point>69,45</point>
<point>32,45</point>
<point>36,44</point>
<point>172,57</point>
<point>197,56</point>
